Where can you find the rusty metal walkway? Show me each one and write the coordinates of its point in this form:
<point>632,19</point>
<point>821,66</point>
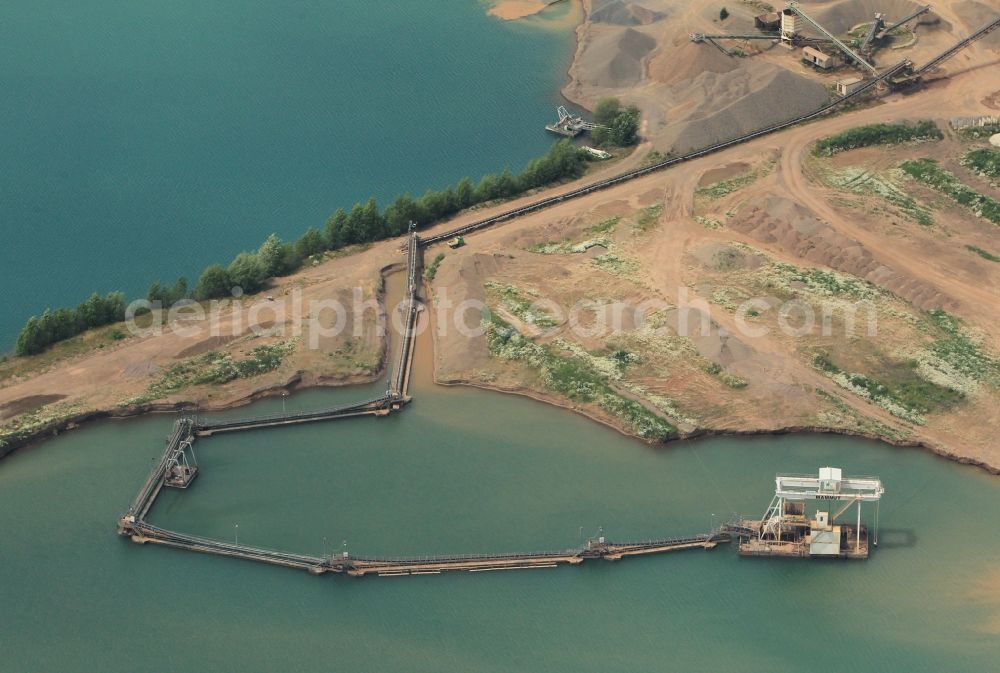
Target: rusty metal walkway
<point>359,566</point>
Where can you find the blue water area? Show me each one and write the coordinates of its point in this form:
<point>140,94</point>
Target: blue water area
<point>145,140</point>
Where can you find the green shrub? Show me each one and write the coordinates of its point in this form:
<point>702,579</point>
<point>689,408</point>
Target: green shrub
<point>648,217</point>
<point>985,161</point>
<point>930,173</point>
<point>431,271</point>
<point>619,126</point>
<point>985,254</point>
<point>215,368</point>
<point>901,390</point>
<point>877,134</point>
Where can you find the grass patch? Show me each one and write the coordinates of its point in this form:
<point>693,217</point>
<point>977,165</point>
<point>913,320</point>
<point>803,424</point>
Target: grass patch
<point>959,352</point>
<point>843,415</point>
<point>432,268</point>
<point>568,247</point>
<point>623,267</point>
<point>901,391</point>
<point>985,161</point>
<point>930,173</point>
<point>733,381</point>
<point>215,368</point>
<point>877,134</point>
<point>826,283</point>
<point>729,379</point>
<point>653,157</point>
<point>860,181</point>
<point>355,355</point>
<point>648,217</point>
<point>985,254</point>
<point>32,422</point>
<point>574,377</point>
<point>523,307</point>
<point>603,227</point>
<point>717,190</point>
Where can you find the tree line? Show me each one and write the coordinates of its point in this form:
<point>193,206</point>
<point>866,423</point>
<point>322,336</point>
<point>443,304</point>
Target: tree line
<point>63,323</point>
<point>363,223</point>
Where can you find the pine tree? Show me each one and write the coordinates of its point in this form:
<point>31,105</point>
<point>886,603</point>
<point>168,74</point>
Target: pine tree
<point>464,194</point>
<point>247,272</point>
<point>29,341</point>
<point>213,284</point>
<point>311,243</point>
<point>336,230</point>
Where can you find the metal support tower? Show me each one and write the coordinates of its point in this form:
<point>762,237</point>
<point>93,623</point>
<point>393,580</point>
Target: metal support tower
<point>829,485</point>
<point>181,465</point>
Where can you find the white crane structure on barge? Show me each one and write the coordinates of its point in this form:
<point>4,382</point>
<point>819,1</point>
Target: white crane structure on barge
<point>785,530</point>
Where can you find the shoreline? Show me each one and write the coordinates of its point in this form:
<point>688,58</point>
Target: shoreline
<point>300,381</point>
<point>512,10</point>
<point>710,433</point>
<point>580,35</point>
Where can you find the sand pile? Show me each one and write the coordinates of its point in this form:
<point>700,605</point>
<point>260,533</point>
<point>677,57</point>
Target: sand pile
<point>622,13</point>
<point>783,224</point>
<point>615,57</point>
<point>733,103</point>
<point>843,16</point>
<point>684,60</point>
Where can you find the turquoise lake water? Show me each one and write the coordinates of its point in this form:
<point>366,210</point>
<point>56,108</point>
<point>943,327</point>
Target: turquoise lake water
<point>141,140</point>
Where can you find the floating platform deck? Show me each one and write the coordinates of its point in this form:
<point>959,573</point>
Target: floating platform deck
<point>799,547</point>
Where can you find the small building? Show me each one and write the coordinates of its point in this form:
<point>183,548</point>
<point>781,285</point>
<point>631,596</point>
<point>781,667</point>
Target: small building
<point>815,57</point>
<point>846,87</point>
<point>769,22</point>
<point>824,537</point>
